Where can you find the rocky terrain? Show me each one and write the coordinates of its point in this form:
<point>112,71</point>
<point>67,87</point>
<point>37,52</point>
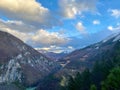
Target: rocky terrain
<point>21,63</point>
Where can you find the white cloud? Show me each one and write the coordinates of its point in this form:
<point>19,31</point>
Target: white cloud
<point>71,8</point>
<point>17,25</point>
<point>80,27</point>
<point>49,38</point>
<point>114,12</point>
<point>96,22</point>
<point>16,28</point>
<point>29,11</point>
<point>111,28</point>
<point>49,41</point>
<point>23,36</point>
<point>70,47</point>
<point>56,49</point>
<point>35,37</point>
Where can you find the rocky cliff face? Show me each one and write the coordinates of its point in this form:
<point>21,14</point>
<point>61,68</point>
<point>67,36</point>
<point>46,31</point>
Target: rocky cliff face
<point>20,62</point>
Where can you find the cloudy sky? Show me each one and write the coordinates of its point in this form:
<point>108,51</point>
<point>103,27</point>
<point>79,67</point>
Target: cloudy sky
<point>60,25</point>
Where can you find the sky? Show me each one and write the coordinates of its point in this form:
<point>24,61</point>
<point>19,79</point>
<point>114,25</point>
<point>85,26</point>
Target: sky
<point>60,25</point>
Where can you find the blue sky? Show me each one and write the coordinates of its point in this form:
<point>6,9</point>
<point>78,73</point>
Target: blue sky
<point>60,25</point>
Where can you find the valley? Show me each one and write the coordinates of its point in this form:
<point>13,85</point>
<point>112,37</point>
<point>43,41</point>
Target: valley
<point>59,44</point>
<point>24,65</point>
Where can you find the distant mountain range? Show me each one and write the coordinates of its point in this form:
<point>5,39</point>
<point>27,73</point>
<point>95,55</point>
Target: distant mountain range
<point>52,55</point>
<point>21,63</point>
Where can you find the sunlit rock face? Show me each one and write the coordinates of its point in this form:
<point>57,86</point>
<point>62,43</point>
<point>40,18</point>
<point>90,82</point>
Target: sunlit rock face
<point>21,63</point>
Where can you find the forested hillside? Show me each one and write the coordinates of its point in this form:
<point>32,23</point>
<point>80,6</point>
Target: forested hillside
<point>105,75</point>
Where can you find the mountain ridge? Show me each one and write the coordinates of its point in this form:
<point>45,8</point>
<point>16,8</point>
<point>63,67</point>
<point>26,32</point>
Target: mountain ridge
<point>20,62</point>
<point>79,60</point>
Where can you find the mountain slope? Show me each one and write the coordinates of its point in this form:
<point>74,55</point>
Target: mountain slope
<point>21,63</point>
<point>78,60</point>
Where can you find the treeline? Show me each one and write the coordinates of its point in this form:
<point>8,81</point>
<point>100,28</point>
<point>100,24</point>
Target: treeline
<point>105,74</point>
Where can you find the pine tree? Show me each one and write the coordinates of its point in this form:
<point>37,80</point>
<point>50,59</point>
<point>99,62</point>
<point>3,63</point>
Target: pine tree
<point>71,84</point>
<point>93,87</point>
<point>78,81</point>
<point>113,80</point>
<point>86,79</point>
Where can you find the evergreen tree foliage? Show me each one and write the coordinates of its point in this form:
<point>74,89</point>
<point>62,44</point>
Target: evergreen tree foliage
<point>93,87</point>
<point>105,74</point>
<point>113,80</point>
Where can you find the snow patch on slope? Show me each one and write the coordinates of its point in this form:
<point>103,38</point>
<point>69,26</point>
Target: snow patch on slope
<point>110,37</point>
<point>117,38</point>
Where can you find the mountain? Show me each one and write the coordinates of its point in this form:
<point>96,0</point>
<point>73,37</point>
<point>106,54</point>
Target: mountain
<point>84,58</point>
<point>21,63</point>
<point>54,56</point>
<point>77,61</point>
